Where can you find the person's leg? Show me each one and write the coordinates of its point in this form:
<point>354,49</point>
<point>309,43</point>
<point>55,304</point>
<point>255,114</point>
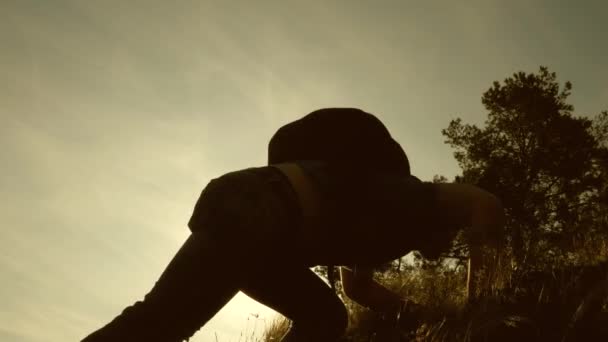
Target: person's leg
<point>237,221</point>
<point>197,283</point>
<point>280,278</point>
<point>315,311</point>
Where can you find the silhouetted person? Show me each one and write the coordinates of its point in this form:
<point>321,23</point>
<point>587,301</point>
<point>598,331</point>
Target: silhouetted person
<point>337,191</point>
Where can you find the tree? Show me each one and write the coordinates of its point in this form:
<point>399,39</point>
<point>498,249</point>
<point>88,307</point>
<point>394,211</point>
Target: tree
<point>546,165</point>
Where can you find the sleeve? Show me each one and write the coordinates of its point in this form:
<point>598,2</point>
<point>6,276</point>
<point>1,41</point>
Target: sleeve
<point>421,199</point>
<point>432,232</point>
<point>406,203</point>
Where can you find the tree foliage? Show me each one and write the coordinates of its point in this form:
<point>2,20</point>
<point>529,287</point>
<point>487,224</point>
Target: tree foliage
<point>547,166</point>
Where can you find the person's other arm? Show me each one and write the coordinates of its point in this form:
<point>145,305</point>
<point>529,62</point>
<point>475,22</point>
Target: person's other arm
<point>359,285</point>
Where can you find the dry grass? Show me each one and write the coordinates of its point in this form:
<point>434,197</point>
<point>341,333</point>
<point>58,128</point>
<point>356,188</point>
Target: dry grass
<point>560,304</point>
<point>277,328</point>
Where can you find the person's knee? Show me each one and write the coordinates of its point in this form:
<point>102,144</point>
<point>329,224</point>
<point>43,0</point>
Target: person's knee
<point>243,209</point>
<point>221,204</point>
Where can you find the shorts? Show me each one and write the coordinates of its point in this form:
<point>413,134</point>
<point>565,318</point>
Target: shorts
<point>256,207</point>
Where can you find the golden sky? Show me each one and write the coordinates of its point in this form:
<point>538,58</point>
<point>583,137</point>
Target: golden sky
<point>115,114</point>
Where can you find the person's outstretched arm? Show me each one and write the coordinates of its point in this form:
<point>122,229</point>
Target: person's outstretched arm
<point>462,205</point>
<point>482,215</point>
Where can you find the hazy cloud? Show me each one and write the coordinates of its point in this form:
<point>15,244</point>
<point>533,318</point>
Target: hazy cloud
<point>116,114</point>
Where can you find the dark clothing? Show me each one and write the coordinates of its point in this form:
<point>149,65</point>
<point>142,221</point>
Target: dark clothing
<point>370,222</point>
<point>244,237</point>
<point>236,208</point>
<point>381,216</point>
<point>245,229</point>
